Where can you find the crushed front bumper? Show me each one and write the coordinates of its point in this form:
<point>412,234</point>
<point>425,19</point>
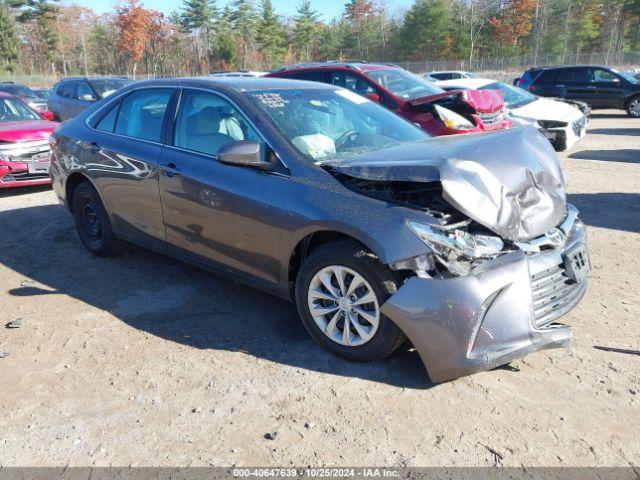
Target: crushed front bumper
<point>25,164</point>
<point>506,309</point>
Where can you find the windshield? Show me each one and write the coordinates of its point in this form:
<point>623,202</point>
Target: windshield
<point>18,90</point>
<point>403,84</point>
<point>513,96</point>
<point>105,87</point>
<point>329,125</point>
<point>13,110</point>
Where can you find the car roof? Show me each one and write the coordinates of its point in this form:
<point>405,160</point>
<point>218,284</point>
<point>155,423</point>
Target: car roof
<point>473,83</point>
<point>448,71</point>
<point>357,65</point>
<point>238,84</point>
<point>98,77</point>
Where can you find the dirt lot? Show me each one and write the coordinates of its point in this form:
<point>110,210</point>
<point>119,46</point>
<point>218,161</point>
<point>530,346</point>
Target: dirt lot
<point>141,360</point>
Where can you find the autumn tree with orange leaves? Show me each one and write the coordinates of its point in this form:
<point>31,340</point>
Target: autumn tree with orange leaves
<point>136,28</point>
<point>514,21</point>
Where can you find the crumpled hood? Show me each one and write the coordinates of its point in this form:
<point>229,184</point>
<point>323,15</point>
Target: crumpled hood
<point>483,101</point>
<point>510,181</point>
<point>23,131</point>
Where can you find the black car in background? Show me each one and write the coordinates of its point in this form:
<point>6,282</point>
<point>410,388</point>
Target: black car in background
<point>600,87</point>
<point>71,96</point>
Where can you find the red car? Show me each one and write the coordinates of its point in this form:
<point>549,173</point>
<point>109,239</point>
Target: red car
<point>433,109</point>
<point>25,153</point>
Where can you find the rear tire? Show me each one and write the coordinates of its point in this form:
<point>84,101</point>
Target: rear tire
<point>633,107</point>
<point>92,222</point>
<point>371,335</point>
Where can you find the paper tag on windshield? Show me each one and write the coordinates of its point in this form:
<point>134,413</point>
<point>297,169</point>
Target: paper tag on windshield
<point>354,97</point>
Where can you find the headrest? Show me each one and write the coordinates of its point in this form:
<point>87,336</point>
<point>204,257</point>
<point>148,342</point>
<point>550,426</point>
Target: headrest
<point>206,121</point>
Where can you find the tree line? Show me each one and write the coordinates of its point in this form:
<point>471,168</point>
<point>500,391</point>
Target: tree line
<point>45,37</point>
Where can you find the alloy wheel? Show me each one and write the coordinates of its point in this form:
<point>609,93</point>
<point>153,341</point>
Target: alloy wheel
<point>634,107</point>
<point>343,305</point>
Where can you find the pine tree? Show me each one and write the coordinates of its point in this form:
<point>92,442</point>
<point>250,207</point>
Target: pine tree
<point>272,36</point>
<point>245,21</point>
<point>198,14</point>
<point>8,40</point>
<point>197,18</point>
<point>424,29</point>
<point>225,43</point>
<point>305,31</point>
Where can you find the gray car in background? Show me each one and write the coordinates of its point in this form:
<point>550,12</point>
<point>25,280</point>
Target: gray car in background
<point>464,245</point>
<point>71,96</point>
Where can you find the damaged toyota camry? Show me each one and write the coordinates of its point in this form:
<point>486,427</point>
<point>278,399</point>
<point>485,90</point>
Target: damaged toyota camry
<point>379,233</point>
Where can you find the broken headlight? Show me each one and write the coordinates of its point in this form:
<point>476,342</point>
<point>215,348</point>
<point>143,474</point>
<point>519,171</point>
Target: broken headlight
<point>451,119</point>
<point>457,249</point>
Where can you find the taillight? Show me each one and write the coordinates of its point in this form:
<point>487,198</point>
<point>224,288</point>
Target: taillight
<point>519,82</point>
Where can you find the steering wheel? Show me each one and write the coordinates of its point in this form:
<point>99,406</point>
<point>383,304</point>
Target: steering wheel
<point>348,135</point>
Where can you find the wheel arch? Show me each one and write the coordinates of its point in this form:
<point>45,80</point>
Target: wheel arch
<point>311,241</point>
<point>71,183</point>
<point>630,98</point>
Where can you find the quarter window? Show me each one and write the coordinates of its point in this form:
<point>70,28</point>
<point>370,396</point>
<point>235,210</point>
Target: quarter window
<point>108,122</point>
<point>142,113</point>
<point>206,122</point>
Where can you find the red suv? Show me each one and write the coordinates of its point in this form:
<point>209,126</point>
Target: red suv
<point>25,154</point>
<point>433,109</point>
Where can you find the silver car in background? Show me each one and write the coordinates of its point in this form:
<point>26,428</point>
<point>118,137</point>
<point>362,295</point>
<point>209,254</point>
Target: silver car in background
<point>73,95</point>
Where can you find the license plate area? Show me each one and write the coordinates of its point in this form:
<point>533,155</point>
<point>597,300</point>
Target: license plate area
<point>576,263</point>
<point>39,163</point>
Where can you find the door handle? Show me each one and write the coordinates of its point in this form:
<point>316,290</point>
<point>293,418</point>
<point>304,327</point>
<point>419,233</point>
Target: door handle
<point>591,87</point>
<point>170,170</point>
<point>560,86</point>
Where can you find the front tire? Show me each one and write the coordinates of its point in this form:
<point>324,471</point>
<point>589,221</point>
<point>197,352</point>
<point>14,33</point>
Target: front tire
<point>92,222</point>
<point>339,291</point>
<point>633,107</point>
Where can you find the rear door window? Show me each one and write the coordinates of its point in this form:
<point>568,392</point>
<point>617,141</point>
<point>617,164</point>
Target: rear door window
<point>68,90</point>
<point>142,113</point>
<point>310,75</point>
<point>576,75</point>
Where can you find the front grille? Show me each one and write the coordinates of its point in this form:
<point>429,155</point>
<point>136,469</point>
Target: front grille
<point>490,118</point>
<point>23,177</point>
<point>554,294</point>
<point>578,126</point>
<point>24,151</point>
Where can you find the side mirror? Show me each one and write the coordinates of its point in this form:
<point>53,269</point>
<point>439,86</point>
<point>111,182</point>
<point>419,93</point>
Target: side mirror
<point>47,115</point>
<point>244,153</point>
<point>374,97</point>
<point>87,97</point>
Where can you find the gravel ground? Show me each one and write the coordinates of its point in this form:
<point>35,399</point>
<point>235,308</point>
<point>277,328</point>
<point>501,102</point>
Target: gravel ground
<point>142,360</point>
